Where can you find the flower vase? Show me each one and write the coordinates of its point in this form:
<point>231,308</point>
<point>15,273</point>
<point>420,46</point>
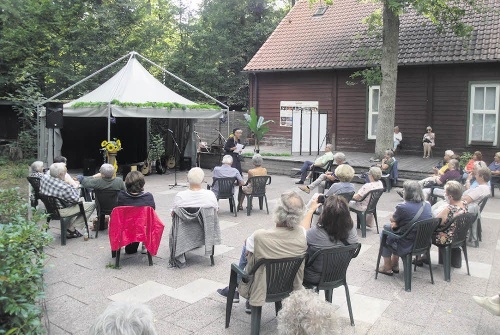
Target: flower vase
<point>112,160</point>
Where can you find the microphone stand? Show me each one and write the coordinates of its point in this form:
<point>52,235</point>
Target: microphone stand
<point>178,153</point>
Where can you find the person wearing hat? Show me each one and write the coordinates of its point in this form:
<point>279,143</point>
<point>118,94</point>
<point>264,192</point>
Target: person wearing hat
<point>230,148</point>
<point>428,142</point>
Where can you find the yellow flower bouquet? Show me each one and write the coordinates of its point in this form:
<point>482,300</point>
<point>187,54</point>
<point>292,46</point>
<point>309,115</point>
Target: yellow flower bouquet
<point>111,147</point>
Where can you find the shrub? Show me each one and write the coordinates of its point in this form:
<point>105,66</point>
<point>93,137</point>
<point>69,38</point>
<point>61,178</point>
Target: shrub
<point>21,266</point>
<point>465,157</point>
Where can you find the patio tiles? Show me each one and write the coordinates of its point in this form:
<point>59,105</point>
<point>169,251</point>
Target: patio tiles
<point>142,293</point>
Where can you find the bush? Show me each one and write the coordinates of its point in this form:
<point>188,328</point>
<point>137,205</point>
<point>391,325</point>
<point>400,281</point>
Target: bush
<point>465,157</point>
<point>21,266</point>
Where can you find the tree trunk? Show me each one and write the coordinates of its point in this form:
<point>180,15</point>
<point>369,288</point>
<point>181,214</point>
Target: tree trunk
<point>389,67</point>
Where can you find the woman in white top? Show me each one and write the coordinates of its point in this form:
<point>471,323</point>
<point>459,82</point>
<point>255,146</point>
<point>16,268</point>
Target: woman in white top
<point>428,142</point>
<point>398,137</point>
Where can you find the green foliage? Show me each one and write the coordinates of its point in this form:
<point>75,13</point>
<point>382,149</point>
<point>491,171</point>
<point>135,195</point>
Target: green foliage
<point>369,77</point>
<point>156,147</point>
<point>257,125</point>
<point>465,157</point>
<point>167,105</point>
<point>21,266</point>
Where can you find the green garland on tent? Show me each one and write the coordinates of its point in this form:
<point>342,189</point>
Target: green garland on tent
<point>167,105</point>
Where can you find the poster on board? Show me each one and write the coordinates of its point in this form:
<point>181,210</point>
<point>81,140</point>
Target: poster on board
<point>287,108</point>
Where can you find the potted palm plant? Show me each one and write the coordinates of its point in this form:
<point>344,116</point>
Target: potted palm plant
<point>156,151</point>
<point>257,126</point>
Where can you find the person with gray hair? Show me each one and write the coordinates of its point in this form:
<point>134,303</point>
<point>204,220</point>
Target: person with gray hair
<point>103,180</point>
<point>124,318</point>
<point>439,170</point>
<point>413,209</point>
<point>36,169</point>
<point>195,195</point>
<point>374,175</point>
<point>452,173</point>
<point>321,162</point>
<point>226,171</point>
<point>257,171</point>
<point>68,196</point>
<point>286,239</point>
<point>387,162</point>
<point>339,159</point>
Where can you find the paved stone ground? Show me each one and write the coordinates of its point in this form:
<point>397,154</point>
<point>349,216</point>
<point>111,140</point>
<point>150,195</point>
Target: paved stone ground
<point>80,285</point>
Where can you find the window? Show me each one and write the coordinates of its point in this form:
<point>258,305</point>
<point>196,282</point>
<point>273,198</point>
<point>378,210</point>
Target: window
<point>320,11</point>
<point>373,103</point>
<point>483,113</point>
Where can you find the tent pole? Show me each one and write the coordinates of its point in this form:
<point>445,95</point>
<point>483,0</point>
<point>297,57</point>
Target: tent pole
<point>183,81</point>
<point>109,121</point>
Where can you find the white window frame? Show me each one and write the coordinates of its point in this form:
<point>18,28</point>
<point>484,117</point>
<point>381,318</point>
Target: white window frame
<point>371,113</point>
<point>473,111</point>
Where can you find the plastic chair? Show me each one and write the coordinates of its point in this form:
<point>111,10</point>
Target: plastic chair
<point>35,184</point>
<point>226,191</point>
<point>129,224</point>
<point>333,275</point>
<point>52,205</point>
<point>481,205</point>
<point>317,171</point>
<point>462,223</point>
<point>370,209</point>
<point>105,201</point>
<point>495,181</point>
<point>388,178</point>
<point>347,196</point>
<point>258,191</point>
<point>280,275</point>
<point>422,243</point>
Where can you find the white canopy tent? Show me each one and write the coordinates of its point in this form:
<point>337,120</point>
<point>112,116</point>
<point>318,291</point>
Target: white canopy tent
<point>132,84</point>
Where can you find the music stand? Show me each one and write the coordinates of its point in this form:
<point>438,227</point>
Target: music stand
<point>177,153</point>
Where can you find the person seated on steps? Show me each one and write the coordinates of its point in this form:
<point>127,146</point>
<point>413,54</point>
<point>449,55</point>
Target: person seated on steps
<point>338,158</point>
<point>321,162</point>
<point>387,162</point>
<point>257,171</point>
<point>398,137</point>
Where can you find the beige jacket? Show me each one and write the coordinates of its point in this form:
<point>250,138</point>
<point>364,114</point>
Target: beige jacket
<point>274,243</point>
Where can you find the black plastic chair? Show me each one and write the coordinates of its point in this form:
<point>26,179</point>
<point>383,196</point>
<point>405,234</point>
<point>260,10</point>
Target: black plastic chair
<point>280,275</point>
<point>258,191</point>
<point>386,178</point>
<point>370,209</point>
<point>226,191</point>
<point>105,201</point>
<point>316,171</point>
<point>495,181</point>
<point>52,210</point>
<point>333,275</point>
<point>462,223</point>
<point>347,195</point>
<point>35,184</point>
<point>422,243</point>
<point>479,231</point>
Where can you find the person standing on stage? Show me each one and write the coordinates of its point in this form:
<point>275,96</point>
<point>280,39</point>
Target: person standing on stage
<point>231,148</point>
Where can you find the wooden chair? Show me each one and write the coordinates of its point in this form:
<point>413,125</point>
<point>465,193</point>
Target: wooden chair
<point>259,184</point>
<point>280,275</point>
<point>225,188</point>
<point>105,201</point>
<point>423,231</point>
<point>462,223</point>
<point>370,209</point>
<point>335,262</point>
<point>129,224</point>
<point>52,210</point>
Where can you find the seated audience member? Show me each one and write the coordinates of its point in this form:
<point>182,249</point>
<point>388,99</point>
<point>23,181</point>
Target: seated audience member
<point>257,171</point>
<point>56,186</point>
<point>339,159</point>
<point>451,174</point>
<point>344,174</point>
<point>398,137</point>
<point>428,142</point>
<point>321,162</point>
<point>387,162</point>
<point>103,180</point>
<point>491,304</point>
<point>304,314</point>
<point>333,229</point>
<point>195,195</point>
<point>36,170</point>
<point>67,177</point>
<point>438,170</point>
<point>287,239</point>
<point>476,157</point>
<point>495,165</point>
<point>404,216</point>
<point>374,175</point>
<point>124,318</point>
<point>226,171</point>
<point>453,193</point>
<point>473,196</point>
<point>135,196</point>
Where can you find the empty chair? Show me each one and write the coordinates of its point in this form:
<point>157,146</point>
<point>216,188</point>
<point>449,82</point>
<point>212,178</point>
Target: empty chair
<point>52,210</point>
<point>258,191</point>
<point>225,188</point>
<point>279,277</point>
<point>192,228</point>
<point>130,224</point>
<point>462,225</point>
<point>370,209</point>
<point>105,201</point>
<point>422,243</point>
<point>335,262</point>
